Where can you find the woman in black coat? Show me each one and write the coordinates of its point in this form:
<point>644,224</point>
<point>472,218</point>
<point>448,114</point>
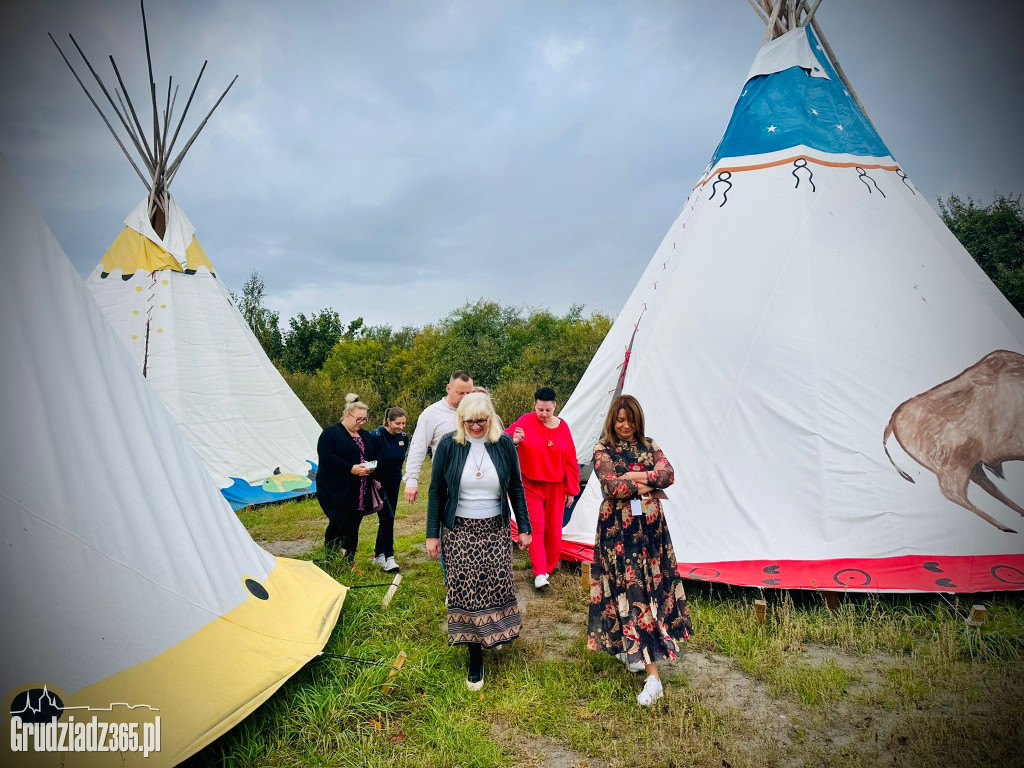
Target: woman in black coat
<point>343,479</point>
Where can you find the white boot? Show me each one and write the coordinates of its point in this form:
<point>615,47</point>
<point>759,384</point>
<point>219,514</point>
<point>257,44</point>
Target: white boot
<point>651,693</point>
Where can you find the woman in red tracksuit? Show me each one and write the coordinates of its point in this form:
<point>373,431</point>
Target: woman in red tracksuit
<point>551,477</point>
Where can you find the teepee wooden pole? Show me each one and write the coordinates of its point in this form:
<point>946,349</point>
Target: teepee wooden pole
<point>103,116</point>
<point>172,169</point>
<point>760,13</point>
<point>769,33</point>
<point>792,13</point>
<point>810,14</point>
<point>117,112</point>
<point>152,82</point>
<point>131,130</point>
<point>131,108</point>
<point>184,112</point>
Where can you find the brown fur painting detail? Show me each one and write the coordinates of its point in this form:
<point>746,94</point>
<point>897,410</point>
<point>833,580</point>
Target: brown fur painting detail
<point>960,428</point>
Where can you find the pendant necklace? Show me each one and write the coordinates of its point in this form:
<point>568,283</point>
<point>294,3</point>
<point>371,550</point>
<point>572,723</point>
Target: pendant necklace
<point>480,464</point>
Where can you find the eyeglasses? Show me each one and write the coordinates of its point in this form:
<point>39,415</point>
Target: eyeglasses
<point>476,422</point>
<point>361,419</point>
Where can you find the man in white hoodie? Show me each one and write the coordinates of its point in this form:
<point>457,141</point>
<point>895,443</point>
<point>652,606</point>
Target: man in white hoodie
<point>437,420</point>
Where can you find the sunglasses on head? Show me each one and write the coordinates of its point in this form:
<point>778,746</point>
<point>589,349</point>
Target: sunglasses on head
<point>476,422</point>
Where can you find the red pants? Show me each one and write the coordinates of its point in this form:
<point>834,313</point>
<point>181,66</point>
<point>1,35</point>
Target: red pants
<point>546,504</point>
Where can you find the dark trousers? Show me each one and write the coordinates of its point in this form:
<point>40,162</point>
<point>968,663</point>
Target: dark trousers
<point>343,531</point>
<point>385,544</point>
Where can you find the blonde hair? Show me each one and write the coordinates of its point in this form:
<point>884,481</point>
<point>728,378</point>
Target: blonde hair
<point>353,403</point>
<point>476,405</point>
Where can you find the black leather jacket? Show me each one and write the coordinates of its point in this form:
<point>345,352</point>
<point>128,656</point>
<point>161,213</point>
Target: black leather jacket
<point>446,474</point>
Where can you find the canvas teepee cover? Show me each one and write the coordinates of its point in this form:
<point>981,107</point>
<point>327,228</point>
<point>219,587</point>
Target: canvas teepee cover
<point>128,581</point>
<point>165,302</point>
<point>161,293</point>
<point>806,305</point>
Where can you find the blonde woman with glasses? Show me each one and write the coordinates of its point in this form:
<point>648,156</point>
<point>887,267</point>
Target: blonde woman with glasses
<point>347,456</point>
<point>475,476</point>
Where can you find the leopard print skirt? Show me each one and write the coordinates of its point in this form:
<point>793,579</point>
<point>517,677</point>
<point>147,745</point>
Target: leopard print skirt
<point>482,604</point>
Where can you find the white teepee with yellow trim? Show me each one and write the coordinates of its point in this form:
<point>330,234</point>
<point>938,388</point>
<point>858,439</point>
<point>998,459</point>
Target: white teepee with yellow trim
<point>159,290</point>
<point>131,589</point>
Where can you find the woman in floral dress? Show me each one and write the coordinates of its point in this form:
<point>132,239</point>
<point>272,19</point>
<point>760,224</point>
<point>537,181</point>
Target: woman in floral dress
<point>638,610</point>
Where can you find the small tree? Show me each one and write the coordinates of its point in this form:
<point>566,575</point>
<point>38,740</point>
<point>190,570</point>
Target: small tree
<point>263,322</point>
<point>994,236</point>
<point>310,340</point>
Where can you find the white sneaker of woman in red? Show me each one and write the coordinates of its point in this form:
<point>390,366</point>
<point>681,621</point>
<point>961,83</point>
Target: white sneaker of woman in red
<point>651,693</point>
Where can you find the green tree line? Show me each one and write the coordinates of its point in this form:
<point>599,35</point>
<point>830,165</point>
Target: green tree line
<point>509,350</point>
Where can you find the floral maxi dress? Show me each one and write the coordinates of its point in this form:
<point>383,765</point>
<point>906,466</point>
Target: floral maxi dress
<point>638,609</point>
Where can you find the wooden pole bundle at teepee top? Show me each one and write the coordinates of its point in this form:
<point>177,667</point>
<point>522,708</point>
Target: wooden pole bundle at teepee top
<point>782,16</point>
<point>155,154</point>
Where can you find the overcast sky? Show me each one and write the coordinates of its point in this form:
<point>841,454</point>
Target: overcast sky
<point>393,160</point>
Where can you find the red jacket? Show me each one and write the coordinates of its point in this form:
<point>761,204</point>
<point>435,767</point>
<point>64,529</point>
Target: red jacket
<point>547,455</point>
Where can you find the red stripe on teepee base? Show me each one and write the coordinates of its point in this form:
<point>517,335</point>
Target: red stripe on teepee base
<point>911,573</point>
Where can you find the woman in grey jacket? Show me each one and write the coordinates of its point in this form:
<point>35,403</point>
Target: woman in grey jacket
<point>474,476</point>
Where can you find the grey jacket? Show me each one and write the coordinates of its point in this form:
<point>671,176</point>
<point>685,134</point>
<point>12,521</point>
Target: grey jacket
<point>446,474</point>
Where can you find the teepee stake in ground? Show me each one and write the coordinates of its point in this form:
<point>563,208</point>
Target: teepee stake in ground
<point>807,306</point>
<point>159,290</point>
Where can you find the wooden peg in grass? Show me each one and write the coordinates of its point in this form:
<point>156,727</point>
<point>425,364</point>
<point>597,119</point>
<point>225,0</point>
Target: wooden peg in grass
<point>760,610</point>
<point>977,617</point>
<point>393,672</point>
<point>391,591</point>
<point>585,577</point>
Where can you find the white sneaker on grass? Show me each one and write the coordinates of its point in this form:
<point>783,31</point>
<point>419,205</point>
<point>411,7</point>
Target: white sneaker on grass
<point>652,691</point>
<point>378,560</point>
<point>390,564</point>
<point>541,581</point>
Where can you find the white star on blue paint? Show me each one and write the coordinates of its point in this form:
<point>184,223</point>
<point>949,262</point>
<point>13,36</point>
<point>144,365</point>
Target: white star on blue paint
<point>743,94</point>
<point>814,112</point>
<point>847,93</point>
<point>818,46</point>
<point>840,127</point>
<point>772,129</point>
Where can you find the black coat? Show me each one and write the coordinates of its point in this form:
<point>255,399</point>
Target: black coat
<point>446,476</point>
<point>337,488</point>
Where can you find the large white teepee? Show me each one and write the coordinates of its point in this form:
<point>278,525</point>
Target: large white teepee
<point>128,580</point>
<point>805,316</point>
<point>161,294</point>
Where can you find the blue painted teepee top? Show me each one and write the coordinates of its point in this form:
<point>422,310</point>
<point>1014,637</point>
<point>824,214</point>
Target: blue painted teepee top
<point>793,107</point>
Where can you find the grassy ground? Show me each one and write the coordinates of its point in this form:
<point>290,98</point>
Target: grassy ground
<point>880,681</point>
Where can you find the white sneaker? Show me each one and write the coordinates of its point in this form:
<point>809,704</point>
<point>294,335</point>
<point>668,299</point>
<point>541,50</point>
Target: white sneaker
<point>390,564</point>
<point>636,666</point>
<point>475,685</point>
<point>651,693</point>
<point>541,581</point>
<point>378,560</point>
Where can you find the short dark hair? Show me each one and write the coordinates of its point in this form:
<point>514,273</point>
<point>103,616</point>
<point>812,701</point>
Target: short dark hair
<point>634,415</point>
<point>545,393</point>
<point>394,413</point>
<point>460,376</point>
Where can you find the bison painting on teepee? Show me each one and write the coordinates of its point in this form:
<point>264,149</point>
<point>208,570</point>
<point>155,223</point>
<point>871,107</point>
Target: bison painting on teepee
<point>807,339</point>
<point>161,293</point>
